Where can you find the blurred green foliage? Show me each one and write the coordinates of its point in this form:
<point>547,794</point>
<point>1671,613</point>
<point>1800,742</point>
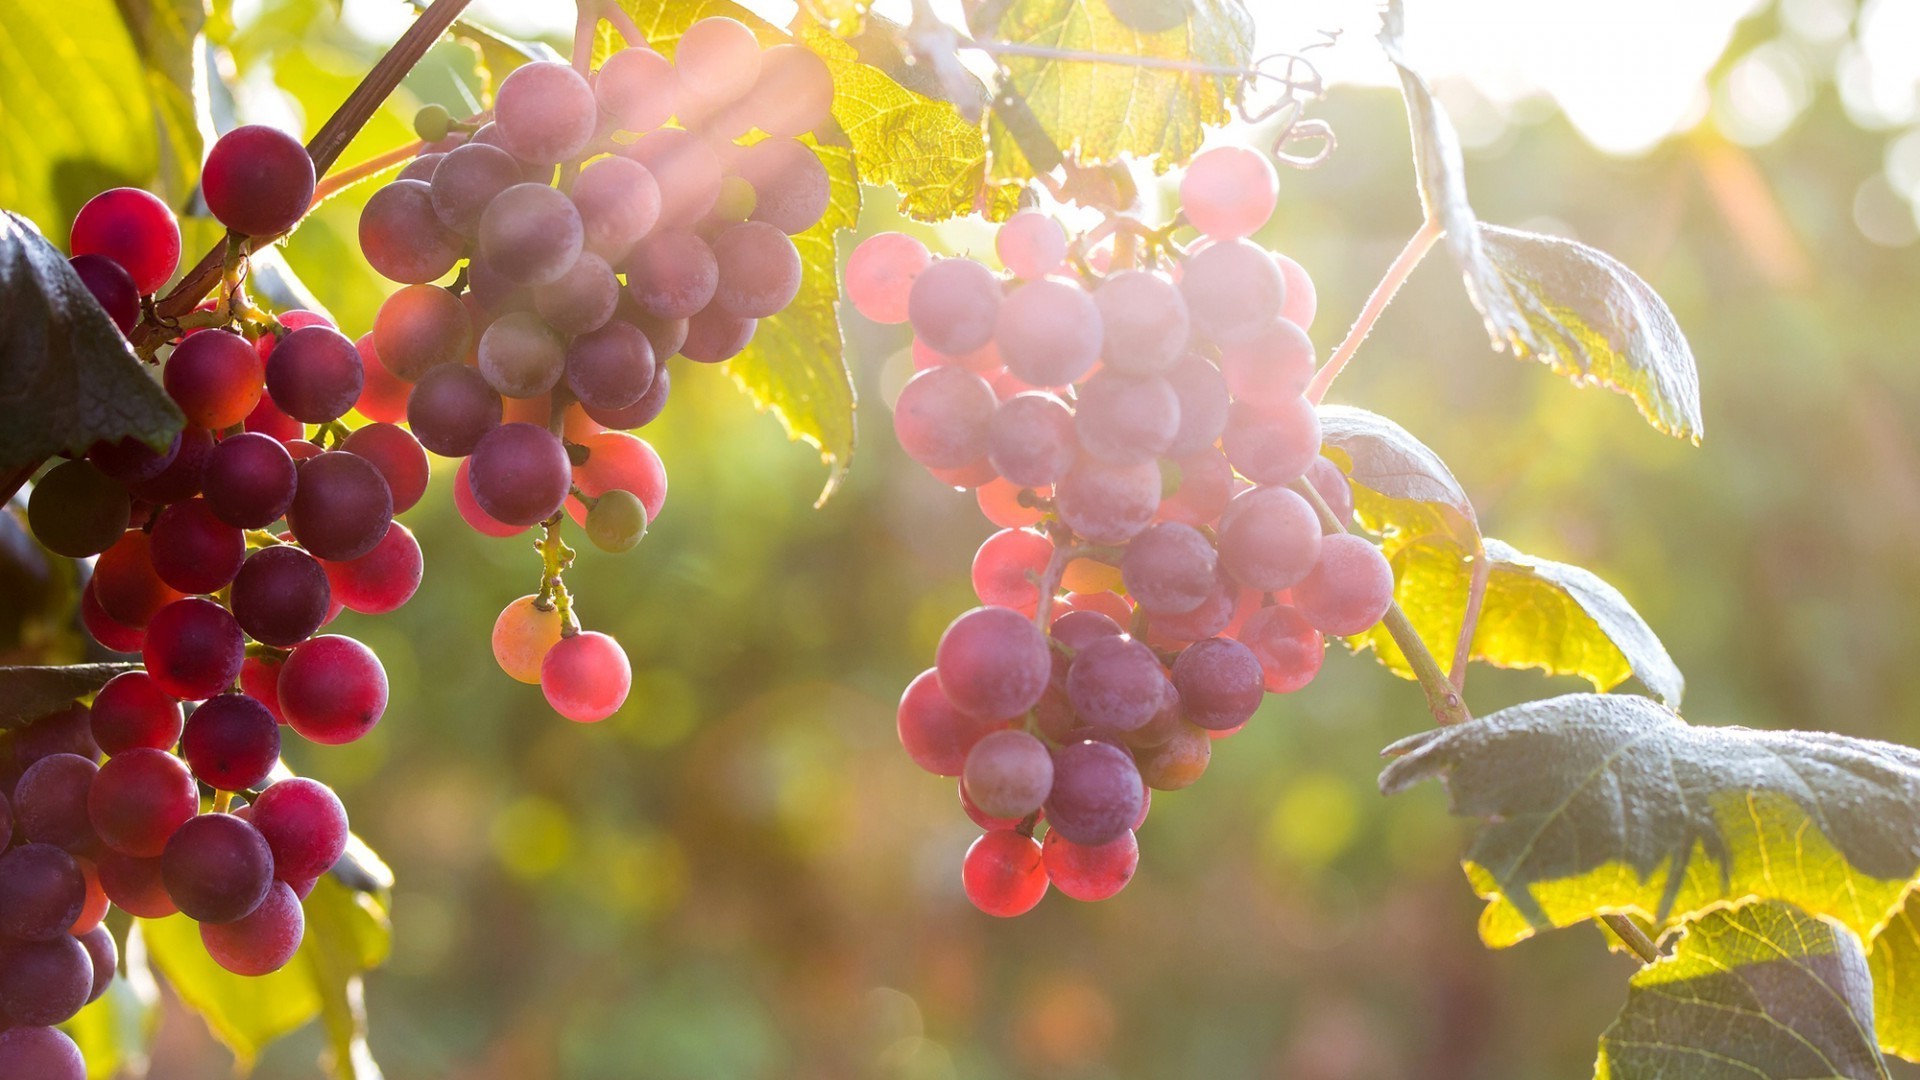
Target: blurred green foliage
<point>740,875</point>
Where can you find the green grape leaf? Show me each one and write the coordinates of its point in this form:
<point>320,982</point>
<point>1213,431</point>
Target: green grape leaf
<point>72,380</point>
<point>499,53</point>
<point>105,89</point>
<point>1894,958</point>
<point>1761,991</point>
<point>113,1032</point>
<point>1105,110</point>
<point>29,693</point>
<point>1577,310</point>
<point>1402,490</point>
<point>1597,804</point>
<point>347,933</point>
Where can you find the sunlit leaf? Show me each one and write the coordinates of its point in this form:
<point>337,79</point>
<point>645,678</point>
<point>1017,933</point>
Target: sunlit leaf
<point>1762,991</point>
<point>1401,487</point>
<point>1895,961</point>
<point>1596,804</point>
<point>1577,310</point>
<point>29,693</point>
<point>164,33</point>
<point>1101,110</point>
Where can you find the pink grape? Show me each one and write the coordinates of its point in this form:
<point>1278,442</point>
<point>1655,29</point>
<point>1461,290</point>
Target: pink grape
<point>936,735</point>
<point>1048,332</point>
<point>993,663</point>
<point>1090,872</point>
<point>1144,321</point>
<point>1289,649</point>
<point>1002,565</point>
<point>1228,192</point>
<point>1269,538</point>
<point>1002,873</point>
<point>1031,245</point>
<point>954,304</point>
<point>942,417</point>
<point>880,275</point>
<point>332,689</point>
<point>586,677</point>
<point>1233,291</point>
<point>1272,369</point>
<point>1348,589</point>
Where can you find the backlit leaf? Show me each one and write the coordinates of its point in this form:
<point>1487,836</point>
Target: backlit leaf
<point>1895,961</point>
<point>29,693</point>
<point>1402,488</point>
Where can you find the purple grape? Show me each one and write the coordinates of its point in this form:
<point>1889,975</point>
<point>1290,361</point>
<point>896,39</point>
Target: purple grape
<point>281,596</point>
<point>943,415</point>
<point>50,802</point>
<point>640,413</point>
<point>342,507</point>
<point>43,982</point>
<point>466,180</point>
<point>1030,439</point>
<point>250,480</point>
<point>714,336</point>
<point>1272,446</point>
<point>521,356</point>
<point>584,297</point>
<point>520,474</point>
<point>759,270</point>
<point>1220,683</point>
<point>612,367</point>
<point>790,186</point>
<point>619,204</point>
<point>993,663</point>
<point>1203,405</point>
<point>403,239</point>
<point>672,274</point>
<point>1126,419</point>
<point>42,892</point>
<point>1097,793</point>
<point>1233,290</point>
<point>217,868</point>
<point>1169,569</point>
<point>450,408</point>
<point>41,1052</point>
<point>1108,504</point>
<point>314,374</point>
<point>1008,774</point>
<point>530,234</point>
<point>104,956</point>
<point>954,305</point>
<point>1116,684</point>
<point>1144,322</point>
<point>231,743</point>
<point>1269,538</point>
<point>1048,331</point>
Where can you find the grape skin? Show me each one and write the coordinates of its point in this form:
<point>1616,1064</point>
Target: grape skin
<point>1031,439</point>
<point>1097,793</point>
<point>954,305</point>
<point>1144,320</point>
<point>993,663</point>
<point>1169,569</point>
<point>531,234</point>
<point>1008,774</point>
<point>1002,873</point>
<point>1125,419</point>
<point>1349,588</point>
<point>1269,538</point>
<point>1116,684</point>
<point>1108,504</point>
<point>942,417</point>
<point>880,275</point>
<point>1234,291</point>
<point>1048,332</point>
<point>402,236</point>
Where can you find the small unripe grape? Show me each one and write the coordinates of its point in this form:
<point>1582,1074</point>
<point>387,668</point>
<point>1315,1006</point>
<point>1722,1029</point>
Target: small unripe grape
<point>522,635</point>
<point>431,122</point>
<point>617,521</point>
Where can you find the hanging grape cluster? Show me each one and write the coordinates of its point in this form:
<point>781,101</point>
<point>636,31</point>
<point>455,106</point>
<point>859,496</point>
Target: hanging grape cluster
<point>1141,435</point>
<point>592,242</point>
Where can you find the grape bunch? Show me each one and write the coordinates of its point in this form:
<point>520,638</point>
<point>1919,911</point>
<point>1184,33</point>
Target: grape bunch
<point>595,226</point>
<point>1142,438</point>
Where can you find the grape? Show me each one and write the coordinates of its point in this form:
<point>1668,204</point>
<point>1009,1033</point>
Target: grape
<point>1097,793</point>
<point>104,957</point>
<point>1169,569</point>
<point>193,649</point>
<point>1090,873</point>
<point>1048,331</point>
<point>993,663</point>
<point>586,677</point>
<point>399,458</point>
<point>1301,300</point>
<point>267,418</point>
<point>419,328</point>
<point>520,356</point>
<point>131,710</point>
<point>610,368</point>
<point>262,941</point>
<point>217,868</point>
<point>139,798</point>
<point>642,412</point>
<point>131,461</point>
<point>1002,873</point>
<point>450,409</point>
<point>790,186</point>
<point>332,690</point>
<point>583,299</point>
<point>983,361</point>
<point>41,1052</point>
<point>134,885</point>
<point>1177,761</point>
<point>1008,774</point>
<point>1219,681</point>
<point>1335,491</point>
<point>258,180</point>
<point>249,481</point>
<point>112,286</point>
<point>717,60</point>
<point>1273,369</point>
<point>304,824</point>
<point>44,982</point>
<point>470,511</point>
<point>182,478</point>
<point>714,336</point>
<point>465,181</point>
<point>999,501</point>
<point>1078,629</point>
<point>793,93</point>
<point>1233,290</point>
<point>1126,419</point>
<point>954,305</point>
<point>489,134</point>
<point>1108,504</point>
<point>76,510</point>
<point>943,415</point>
<point>1002,565</point>
<point>125,583</point>
<point>936,735</point>
<point>1212,615</point>
<point>1289,649</point>
<point>880,275</point>
<point>1144,322</point>
<point>193,550</point>
<point>260,680</point>
<point>520,474</point>
<point>617,521</point>
<point>685,170</point>
<point>403,237</point>
<point>104,628</point>
<point>342,507</point>
<point>522,635</point>
<point>63,731</point>
<point>759,270</point>
<point>637,88</point>
<point>41,893</point>
<point>134,229</point>
<point>422,166</point>
<point>530,234</point>
<point>619,202</point>
<point>673,274</point>
<point>383,579</point>
<point>214,376</point>
<point>1116,684</point>
<point>231,743</point>
<point>1272,446</point>
<point>1349,588</point>
<point>281,596</point>
<point>1269,538</point>
<point>980,817</point>
<point>50,802</point>
<point>545,112</point>
<point>1229,192</point>
<point>1031,245</point>
<point>736,200</point>
<point>1204,404</point>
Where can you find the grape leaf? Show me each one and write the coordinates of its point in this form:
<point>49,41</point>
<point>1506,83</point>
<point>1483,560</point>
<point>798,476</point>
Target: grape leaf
<point>113,1032</point>
<point>1762,991</point>
<point>29,693</point>
<point>1402,488</point>
<point>1599,804</point>
<point>1894,959</point>
<point>1106,110</point>
<point>72,380</point>
<point>1577,310</point>
<point>164,33</point>
<point>347,933</point>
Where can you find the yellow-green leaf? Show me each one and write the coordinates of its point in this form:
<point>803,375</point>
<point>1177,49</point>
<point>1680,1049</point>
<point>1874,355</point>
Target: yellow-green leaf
<point>1402,490</point>
<point>164,33</point>
<point>1597,804</point>
<point>1762,991</point>
<point>1895,961</point>
<point>1102,110</point>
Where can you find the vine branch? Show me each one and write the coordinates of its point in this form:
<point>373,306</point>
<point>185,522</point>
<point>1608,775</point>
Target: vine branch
<point>1377,302</point>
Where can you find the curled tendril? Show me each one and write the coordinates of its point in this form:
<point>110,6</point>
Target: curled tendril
<point>1300,84</point>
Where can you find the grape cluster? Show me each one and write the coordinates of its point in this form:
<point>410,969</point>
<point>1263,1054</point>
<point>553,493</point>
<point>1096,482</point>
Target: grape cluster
<point>1142,437</point>
<point>589,242</point>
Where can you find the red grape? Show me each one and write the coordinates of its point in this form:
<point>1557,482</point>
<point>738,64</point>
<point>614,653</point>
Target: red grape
<point>383,579</point>
<point>1048,331</point>
<point>1229,192</point>
<point>304,824</point>
<point>133,228</point>
<point>942,417</point>
<point>954,305</point>
<point>1097,793</point>
<point>1002,565</point>
<point>215,378</point>
<point>1126,419</point>
<point>637,87</point>
<point>342,506</point>
<point>1144,321</point>
<point>1108,504</point>
<point>193,649</point>
<point>1090,872</point>
<point>132,710</point>
<point>281,596</point>
<point>135,886</point>
<point>717,60</point>
<point>1031,245</point>
<point>993,663</point>
<point>1269,538</point>
<point>332,690</point>
<point>217,868</point>
<point>1349,588</point>
<point>231,743</point>
<point>258,180</point>
<point>545,112</point>
<point>1233,291</point>
<point>249,480</point>
<point>880,275</point>
<point>193,550</point>
<point>1289,649</point>
<point>262,941</point>
<point>112,286</point>
<point>139,798</point>
<point>1008,774</point>
<point>586,677</point>
<point>419,328</point>
<point>1002,873</point>
<point>314,375</point>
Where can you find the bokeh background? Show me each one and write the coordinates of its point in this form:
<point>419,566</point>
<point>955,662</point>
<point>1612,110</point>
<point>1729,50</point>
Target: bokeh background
<point>741,876</point>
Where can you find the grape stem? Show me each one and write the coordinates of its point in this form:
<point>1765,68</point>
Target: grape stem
<point>1377,302</point>
<point>555,557</point>
<point>342,179</point>
<point>1476,594</point>
<point>623,24</point>
<point>585,22</point>
<point>1049,582</point>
